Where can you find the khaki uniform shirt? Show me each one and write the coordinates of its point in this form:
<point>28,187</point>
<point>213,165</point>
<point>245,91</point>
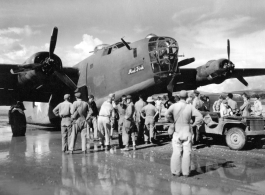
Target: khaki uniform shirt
<point>83,108</point>
<point>64,111</point>
<point>121,109</point>
<point>182,121</point>
<point>149,111</point>
<point>106,110</point>
<point>138,108</point>
<point>197,103</point>
<point>245,108</point>
<point>258,108</point>
<point>232,104</point>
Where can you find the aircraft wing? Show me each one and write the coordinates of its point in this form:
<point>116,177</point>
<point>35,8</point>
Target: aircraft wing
<point>248,72</point>
<point>7,80</point>
<point>9,88</point>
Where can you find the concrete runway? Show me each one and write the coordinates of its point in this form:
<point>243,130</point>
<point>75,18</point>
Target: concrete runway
<point>34,165</point>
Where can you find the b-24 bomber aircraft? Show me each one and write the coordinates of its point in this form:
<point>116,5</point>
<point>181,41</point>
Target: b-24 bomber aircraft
<point>148,66</point>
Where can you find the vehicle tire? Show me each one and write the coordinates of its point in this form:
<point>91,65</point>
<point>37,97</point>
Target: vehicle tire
<point>236,138</point>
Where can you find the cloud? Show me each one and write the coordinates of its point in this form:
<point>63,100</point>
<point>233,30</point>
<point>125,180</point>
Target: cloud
<point>97,30</point>
<point>140,29</point>
<point>204,34</point>
<point>26,30</point>
<point>81,50</point>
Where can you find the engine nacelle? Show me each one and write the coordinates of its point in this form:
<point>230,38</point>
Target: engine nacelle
<point>214,71</point>
<point>36,77</point>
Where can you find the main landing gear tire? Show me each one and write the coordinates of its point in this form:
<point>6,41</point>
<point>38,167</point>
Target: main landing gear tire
<point>18,123</point>
<point>236,138</point>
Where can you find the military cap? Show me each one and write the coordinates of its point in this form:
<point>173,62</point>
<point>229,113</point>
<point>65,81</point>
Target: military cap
<point>66,96</point>
<point>183,94</point>
<point>196,92</point>
<point>129,97</point>
<point>78,94</point>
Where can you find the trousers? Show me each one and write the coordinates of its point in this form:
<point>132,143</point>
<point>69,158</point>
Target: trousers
<point>104,129</point>
<point>78,126</point>
<point>181,156</point>
<point>66,137</point>
<point>128,131</point>
<point>140,131</point>
<point>93,124</point>
<point>149,131</point>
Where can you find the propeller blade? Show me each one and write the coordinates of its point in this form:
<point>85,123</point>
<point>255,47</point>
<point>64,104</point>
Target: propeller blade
<point>242,80</point>
<point>66,80</point>
<point>25,68</point>
<point>53,41</point>
<point>186,61</point>
<point>228,49</point>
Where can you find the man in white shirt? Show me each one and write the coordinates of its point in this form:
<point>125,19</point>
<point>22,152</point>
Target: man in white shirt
<point>257,111</point>
<point>225,110</point>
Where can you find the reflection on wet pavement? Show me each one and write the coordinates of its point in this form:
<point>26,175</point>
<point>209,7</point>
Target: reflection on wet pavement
<point>35,165</point>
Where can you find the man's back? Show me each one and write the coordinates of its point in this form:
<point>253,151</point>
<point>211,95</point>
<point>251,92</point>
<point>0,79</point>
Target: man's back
<point>187,111</point>
<point>82,108</point>
<point>149,110</point>
<point>138,107</point>
<point>232,104</point>
<point>106,109</point>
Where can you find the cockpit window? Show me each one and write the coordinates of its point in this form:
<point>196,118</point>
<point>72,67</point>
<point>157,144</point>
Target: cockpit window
<point>162,53</point>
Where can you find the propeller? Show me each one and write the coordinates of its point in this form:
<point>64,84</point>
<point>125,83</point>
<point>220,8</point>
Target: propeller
<point>53,41</point>
<point>25,68</point>
<point>66,80</point>
<point>48,65</point>
<point>239,77</point>
<point>186,61</point>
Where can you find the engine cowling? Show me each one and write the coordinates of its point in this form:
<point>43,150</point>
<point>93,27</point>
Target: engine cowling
<point>39,75</point>
<point>214,71</point>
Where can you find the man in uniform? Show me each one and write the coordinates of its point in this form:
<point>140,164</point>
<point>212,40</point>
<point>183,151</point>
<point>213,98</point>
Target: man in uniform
<point>64,111</point>
<point>181,113</point>
<point>231,103</point>
<point>217,104</point>
<point>197,102</point>
<point>257,109</point>
<point>149,113</point>
<point>139,120</point>
<point>129,125</point>
<point>158,105</point>
<point>81,112</point>
<point>106,113</point>
<point>121,111</point>
<point>94,116</point>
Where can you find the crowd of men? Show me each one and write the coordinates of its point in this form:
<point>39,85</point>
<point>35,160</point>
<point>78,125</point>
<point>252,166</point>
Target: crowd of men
<point>135,123</point>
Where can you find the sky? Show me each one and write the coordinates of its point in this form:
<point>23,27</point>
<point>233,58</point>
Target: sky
<point>201,28</point>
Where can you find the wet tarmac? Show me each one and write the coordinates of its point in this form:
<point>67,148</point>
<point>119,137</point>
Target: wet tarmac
<point>34,164</point>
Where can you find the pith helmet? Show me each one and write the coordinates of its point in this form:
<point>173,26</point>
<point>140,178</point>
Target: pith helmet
<point>150,99</point>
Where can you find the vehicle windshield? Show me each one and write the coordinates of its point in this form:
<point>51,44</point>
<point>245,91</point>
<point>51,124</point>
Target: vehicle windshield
<point>162,52</point>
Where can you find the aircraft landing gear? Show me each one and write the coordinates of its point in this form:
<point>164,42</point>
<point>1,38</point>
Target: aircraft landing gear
<point>17,120</point>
